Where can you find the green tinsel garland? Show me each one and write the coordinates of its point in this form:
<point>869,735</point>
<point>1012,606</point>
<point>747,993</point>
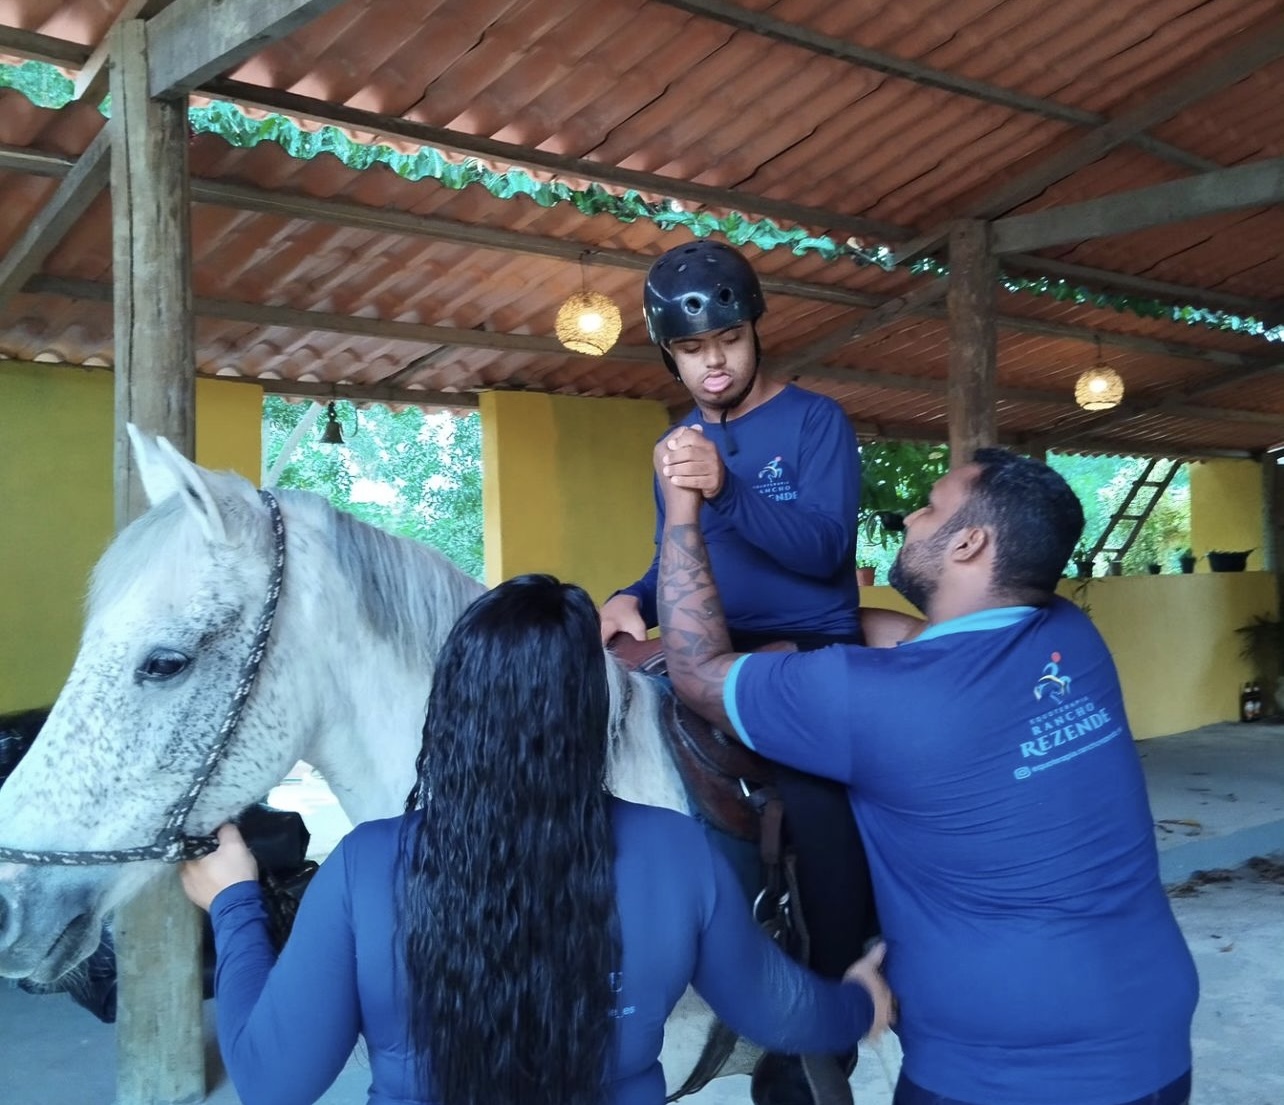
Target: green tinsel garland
<point>46,87</point>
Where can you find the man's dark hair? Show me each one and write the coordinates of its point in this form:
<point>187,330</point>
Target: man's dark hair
<point>1035,517</point>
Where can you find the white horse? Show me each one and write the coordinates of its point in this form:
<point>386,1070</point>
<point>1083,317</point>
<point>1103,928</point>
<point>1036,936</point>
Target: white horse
<point>172,614</point>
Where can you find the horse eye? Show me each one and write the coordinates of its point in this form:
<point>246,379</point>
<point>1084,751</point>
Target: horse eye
<point>164,663</point>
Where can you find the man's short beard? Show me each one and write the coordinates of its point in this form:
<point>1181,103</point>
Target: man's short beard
<point>917,577</point>
<point>911,586</point>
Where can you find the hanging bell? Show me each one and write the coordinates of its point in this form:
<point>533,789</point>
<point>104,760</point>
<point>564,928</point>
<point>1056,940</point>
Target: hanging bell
<point>332,432</point>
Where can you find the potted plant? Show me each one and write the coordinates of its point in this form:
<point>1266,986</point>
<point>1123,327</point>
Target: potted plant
<point>1083,561</point>
<point>864,574</point>
<point>1153,568</point>
<point>1186,561</point>
<point>1115,567</point>
<point>1262,645</point>
<point>1221,561</point>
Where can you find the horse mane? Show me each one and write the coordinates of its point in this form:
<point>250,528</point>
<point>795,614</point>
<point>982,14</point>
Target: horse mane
<point>407,593</point>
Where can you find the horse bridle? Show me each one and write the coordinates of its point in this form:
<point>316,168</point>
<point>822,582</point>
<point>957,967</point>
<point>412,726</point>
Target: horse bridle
<point>173,845</point>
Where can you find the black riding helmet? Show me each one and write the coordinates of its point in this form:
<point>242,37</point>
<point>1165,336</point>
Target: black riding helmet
<point>699,287</point>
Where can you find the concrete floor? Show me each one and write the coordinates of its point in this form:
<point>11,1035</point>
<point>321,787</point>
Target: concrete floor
<point>1218,798</point>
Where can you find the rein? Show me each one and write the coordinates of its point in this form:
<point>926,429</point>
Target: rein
<point>173,845</point>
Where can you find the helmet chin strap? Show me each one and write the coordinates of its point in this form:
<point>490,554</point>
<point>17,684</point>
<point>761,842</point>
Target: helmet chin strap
<point>732,447</point>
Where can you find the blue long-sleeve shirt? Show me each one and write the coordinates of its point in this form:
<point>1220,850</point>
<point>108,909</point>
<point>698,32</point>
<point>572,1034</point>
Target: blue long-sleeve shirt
<point>286,1026</point>
<point>781,533</point>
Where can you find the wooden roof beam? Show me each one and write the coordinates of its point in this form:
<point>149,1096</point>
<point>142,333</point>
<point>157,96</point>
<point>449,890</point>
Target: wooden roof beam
<point>290,318</point>
<point>40,47</point>
<point>801,360</point>
<point>1257,184</point>
<point>78,189</point>
<point>1177,403</point>
<point>507,153</point>
<point>1255,48</point>
<point>764,25</point>
<point>389,221</point>
<point>61,52</point>
<point>192,41</point>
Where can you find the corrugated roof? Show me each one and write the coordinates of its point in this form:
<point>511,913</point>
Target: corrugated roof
<point>642,85</point>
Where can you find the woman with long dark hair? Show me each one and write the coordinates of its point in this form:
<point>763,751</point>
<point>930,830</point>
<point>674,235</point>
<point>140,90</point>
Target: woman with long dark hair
<point>519,936</point>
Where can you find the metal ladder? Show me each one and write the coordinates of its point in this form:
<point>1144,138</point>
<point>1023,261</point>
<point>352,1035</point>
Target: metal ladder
<point>1129,516</point>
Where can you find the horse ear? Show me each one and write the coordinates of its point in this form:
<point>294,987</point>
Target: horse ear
<point>165,472</point>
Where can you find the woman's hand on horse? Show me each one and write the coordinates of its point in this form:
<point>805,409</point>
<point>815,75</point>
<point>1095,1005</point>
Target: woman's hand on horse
<point>867,972</point>
<point>230,863</point>
<point>622,614</point>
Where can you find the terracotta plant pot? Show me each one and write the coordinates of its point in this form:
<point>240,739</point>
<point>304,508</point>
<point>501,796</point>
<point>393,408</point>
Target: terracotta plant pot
<point>865,577</point>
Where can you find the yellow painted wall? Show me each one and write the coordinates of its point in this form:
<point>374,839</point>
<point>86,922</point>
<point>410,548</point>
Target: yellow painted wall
<point>1226,509</point>
<point>1174,643</point>
<point>56,504</point>
<point>1173,639</point>
<point>567,487</point>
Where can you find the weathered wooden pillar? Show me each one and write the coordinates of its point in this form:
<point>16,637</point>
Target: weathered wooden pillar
<point>974,274</point>
<point>160,1042</point>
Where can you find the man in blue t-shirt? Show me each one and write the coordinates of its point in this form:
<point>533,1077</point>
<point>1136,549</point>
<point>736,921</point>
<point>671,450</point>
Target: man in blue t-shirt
<point>777,472</point>
<point>992,772</point>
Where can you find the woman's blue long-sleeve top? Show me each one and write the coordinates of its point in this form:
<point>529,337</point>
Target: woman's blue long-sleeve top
<point>287,1026</point>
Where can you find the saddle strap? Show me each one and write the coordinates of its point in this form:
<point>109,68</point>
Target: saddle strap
<point>717,1050</point>
<point>825,1077</point>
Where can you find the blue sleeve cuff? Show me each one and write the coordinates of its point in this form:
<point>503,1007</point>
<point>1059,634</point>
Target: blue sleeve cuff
<point>729,702</point>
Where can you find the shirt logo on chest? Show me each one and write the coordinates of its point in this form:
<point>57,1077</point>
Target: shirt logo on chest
<point>1052,683</point>
<point>774,483</point>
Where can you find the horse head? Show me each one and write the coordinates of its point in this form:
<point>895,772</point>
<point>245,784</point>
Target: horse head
<point>172,613</point>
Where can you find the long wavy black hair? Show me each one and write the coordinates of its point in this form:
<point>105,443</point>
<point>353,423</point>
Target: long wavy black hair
<point>509,922</point>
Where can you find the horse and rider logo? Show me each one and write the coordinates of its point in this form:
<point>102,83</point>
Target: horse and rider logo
<point>1052,683</point>
<point>772,470</point>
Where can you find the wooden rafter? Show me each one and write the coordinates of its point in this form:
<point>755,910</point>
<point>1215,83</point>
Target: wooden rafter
<point>78,189</point>
<point>68,53</point>
<point>761,23</point>
<point>443,138</point>
<point>387,221</point>
<point>391,388</point>
<point>1177,404</point>
<point>290,318</point>
<point>191,41</point>
<point>1253,49</point>
<point>1256,184</point>
<point>801,360</point>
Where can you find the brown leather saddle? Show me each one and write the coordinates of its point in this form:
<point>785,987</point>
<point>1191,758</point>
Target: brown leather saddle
<point>721,775</point>
<point>732,789</point>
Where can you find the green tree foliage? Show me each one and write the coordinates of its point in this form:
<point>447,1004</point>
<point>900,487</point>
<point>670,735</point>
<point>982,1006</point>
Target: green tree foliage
<point>896,478</point>
<point>410,473</point>
<point>1102,484</point>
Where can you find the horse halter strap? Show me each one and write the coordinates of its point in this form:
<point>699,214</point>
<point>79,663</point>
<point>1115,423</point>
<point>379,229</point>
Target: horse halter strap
<point>172,845</point>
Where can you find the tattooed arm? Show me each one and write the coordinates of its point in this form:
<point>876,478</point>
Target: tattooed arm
<point>692,625</point>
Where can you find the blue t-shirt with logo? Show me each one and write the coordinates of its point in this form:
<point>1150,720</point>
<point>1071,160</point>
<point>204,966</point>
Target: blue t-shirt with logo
<point>781,533</point>
<point>994,779</point>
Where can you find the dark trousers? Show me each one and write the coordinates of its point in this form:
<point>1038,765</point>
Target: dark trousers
<point>837,899</point>
<point>1176,1092</point>
<point>833,873</point>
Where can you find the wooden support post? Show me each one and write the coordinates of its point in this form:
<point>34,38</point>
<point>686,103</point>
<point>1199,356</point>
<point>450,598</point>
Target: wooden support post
<point>974,276</point>
<point>160,1039</point>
